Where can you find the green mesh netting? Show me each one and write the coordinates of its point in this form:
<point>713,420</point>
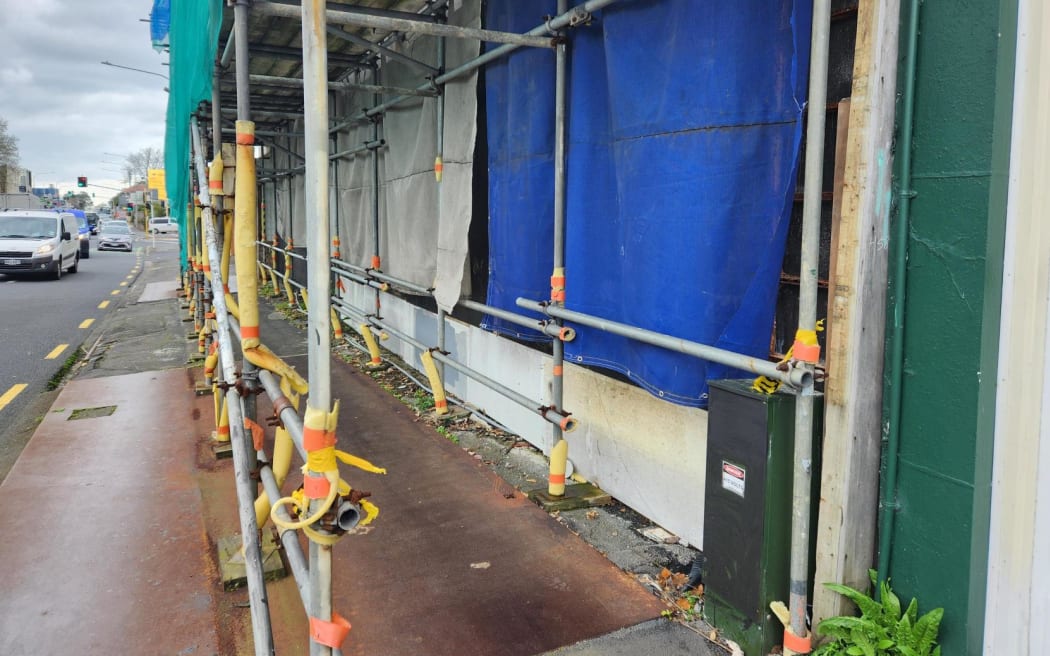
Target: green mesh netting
<point>193,37</point>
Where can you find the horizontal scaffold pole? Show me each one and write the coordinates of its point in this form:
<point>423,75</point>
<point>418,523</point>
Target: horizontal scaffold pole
<point>391,24</point>
<point>792,375</point>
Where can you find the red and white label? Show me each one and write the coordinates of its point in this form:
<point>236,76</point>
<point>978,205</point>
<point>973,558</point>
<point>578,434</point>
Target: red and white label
<point>734,478</point>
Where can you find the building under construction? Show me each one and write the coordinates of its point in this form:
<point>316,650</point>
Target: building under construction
<point>771,274</point>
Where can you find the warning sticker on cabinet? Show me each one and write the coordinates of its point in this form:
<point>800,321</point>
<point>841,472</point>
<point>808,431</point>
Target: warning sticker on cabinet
<point>733,478</point>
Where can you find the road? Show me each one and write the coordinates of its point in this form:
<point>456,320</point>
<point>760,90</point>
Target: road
<point>44,322</point>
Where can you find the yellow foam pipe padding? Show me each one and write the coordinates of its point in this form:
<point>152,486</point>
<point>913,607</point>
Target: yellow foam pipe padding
<point>559,457</point>
<point>216,396</point>
<point>440,402</point>
<point>197,246</point>
<point>202,337</point>
<point>276,286</point>
<point>373,347</point>
<point>288,276</point>
<point>337,325</point>
<point>245,234</point>
<point>227,244</point>
<point>282,462</point>
<point>262,273</point>
<point>222,435</point>
<point>215,174</point>
<point>264,358</point>
<point>206,264</point>
<point>231,306</point>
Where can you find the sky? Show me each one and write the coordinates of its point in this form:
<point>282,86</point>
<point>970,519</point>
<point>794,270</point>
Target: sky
<point>72,115</point>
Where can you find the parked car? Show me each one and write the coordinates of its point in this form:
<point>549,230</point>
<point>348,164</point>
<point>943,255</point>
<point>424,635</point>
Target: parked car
<point>38,242</point>
<point>83,233</point>
<point>163,224</point>
<point>115,235</point>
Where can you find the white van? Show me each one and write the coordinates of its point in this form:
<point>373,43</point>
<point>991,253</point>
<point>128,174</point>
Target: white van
<point>38,242</point>
<point>164,224</point>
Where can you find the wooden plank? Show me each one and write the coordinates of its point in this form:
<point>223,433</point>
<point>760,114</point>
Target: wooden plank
<point>853,393</point>
<point>838,182</point>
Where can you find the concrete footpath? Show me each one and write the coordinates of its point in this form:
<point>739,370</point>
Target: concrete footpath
<point>115,507</point>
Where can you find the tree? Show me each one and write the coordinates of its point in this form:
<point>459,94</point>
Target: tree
<point>139,163</point>
<point>8,154</point>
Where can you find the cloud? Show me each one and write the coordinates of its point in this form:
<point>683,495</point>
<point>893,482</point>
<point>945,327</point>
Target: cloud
<point>66,108</point>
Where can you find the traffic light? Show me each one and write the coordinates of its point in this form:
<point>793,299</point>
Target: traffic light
<point>82,181</point>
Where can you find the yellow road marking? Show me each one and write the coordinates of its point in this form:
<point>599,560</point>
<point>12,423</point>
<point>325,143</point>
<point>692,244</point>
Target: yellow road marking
<point>103,305</point>
<point>55,352</point>
<point>114,292</point>
<point>129,277</point>
<point>123,283</point>
<point>10,394</point>
<point>86,322</point>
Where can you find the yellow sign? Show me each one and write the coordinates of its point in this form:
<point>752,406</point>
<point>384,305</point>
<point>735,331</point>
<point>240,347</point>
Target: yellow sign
<point>155,180</point>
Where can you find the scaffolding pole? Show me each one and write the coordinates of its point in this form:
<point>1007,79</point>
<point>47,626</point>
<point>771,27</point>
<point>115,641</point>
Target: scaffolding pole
<point>389,23</point>
<point>259,604</point>
<point>573,16</point>
<point>559,453</point>
<point>807,325</point>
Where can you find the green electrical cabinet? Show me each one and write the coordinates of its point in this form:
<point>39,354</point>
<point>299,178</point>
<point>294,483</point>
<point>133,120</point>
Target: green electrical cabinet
<point>747,510</point>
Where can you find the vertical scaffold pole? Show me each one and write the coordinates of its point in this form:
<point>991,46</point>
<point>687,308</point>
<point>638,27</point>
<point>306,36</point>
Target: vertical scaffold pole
<point>439,167</point>
<point>249,372</point>
<point>259,604</point>
<point>806,349</point>
<point>559,453</point>
<point>315,119</point>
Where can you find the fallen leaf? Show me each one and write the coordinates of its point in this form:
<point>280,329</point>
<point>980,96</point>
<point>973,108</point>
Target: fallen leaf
<point>713,635</point>
<point>592,514</point>
<point>679,580</point>
<point>664,575</point>
<point>530,480</point>
<point>482,565</point>
<point>683,604</point>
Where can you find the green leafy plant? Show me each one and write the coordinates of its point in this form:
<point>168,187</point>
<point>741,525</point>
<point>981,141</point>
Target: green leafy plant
<point>882,629</point>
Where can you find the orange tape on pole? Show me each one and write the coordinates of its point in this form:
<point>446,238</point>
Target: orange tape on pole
<point>248,332</point>
<point>316,487</point>
<point>315,439</point>
<point>556,479</point>
<point>797,644</point>
<point>257,433</point>
<point>245,139</point>
<point>375,261</point>
<point>558,370</point>
<point>330,634</point>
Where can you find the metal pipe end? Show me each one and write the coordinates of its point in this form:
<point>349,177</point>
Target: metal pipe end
<point>568,424</point>
<point>348,515</point>
<point>567,334</point>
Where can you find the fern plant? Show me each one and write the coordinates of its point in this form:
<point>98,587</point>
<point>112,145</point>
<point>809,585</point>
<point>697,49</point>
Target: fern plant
<point>882,629</point>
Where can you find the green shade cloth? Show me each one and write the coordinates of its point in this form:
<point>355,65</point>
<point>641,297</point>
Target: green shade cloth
<point>194,37</point>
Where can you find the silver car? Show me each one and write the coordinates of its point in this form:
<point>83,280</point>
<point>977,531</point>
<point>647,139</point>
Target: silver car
<point>115,235</point>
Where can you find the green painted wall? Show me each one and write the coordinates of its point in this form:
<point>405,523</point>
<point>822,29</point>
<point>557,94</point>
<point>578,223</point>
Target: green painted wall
<point>963,83</point>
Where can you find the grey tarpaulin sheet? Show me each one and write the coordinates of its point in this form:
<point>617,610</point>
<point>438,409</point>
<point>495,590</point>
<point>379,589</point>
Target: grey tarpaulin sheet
<point>422,224</point>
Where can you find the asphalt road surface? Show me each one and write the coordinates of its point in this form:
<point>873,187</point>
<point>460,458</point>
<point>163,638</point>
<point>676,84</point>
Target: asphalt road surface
<point>43,322</point>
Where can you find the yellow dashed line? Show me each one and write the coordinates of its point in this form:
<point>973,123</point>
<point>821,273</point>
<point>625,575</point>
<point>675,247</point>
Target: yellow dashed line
<point>10,394</point>
<point>86,322</point>
<point>123,283</point>
<point>114,292</point>
<point>103,305</point>
<point>129,277</point>
<point>55,352</point>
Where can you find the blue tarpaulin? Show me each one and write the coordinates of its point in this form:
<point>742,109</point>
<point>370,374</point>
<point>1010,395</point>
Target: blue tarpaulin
<point>685,126</point>
<point>159,24</point>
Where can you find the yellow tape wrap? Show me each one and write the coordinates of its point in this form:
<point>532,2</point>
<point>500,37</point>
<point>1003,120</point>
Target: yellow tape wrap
<point>440,402</point>
<point>245,233</point>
